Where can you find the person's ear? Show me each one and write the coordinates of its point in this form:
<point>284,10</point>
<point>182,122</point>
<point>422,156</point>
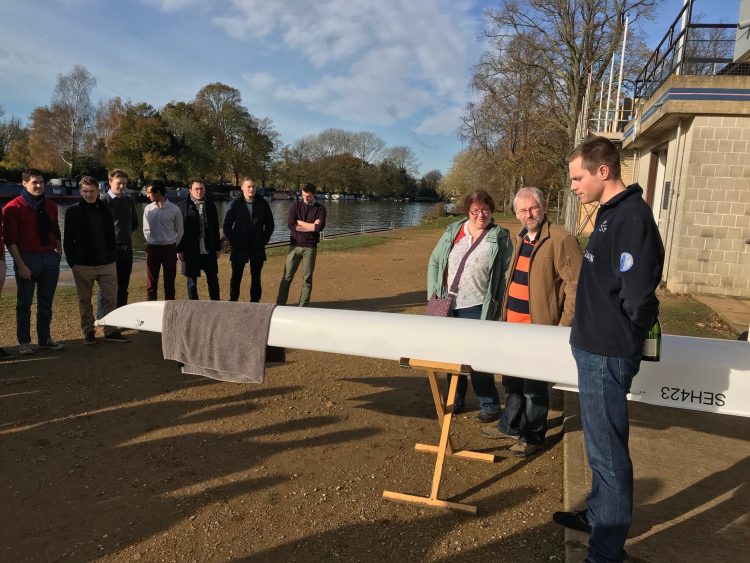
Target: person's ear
<point>603,172</point>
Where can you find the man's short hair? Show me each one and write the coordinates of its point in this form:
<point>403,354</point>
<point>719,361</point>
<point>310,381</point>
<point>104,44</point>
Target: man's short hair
<point>479,197</point>
<point>29,172</point>
<point>196,180</point>
<point>595,151</point>
<point>118,173</point>
<point>88,181</point>
<point>309,188</point>
<point>157,186</point>
<point>247,179</point>
<point>529,191</point>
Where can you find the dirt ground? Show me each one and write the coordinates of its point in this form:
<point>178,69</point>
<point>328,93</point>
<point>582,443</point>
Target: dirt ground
<point>109,452</point>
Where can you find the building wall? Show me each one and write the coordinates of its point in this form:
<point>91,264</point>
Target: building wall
<point>708,240</point>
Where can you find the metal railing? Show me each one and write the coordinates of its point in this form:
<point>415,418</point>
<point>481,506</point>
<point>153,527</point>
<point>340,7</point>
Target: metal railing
<point>695,49</point>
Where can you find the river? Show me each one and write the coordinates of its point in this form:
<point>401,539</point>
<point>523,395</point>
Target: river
<point>343,216</point>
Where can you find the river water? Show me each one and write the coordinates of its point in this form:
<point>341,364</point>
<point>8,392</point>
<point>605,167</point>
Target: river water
<point>342,217</point>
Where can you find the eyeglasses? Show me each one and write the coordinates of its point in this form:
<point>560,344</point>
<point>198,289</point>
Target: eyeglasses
<point>529,211</point>
<point>477,212</point>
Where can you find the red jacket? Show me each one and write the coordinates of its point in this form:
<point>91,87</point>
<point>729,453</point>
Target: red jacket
<point>20,226</point>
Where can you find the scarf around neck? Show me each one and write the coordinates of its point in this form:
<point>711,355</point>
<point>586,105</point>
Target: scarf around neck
<point>43,220</point>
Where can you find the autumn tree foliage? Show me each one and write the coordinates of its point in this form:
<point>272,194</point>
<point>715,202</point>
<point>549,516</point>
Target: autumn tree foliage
<point>532,79</point>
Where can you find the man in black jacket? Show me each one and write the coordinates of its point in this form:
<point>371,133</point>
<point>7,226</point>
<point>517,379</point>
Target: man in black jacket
<point>616,305</point>
<point>200,246</point>
<point>89,247</point>
<point>248,226</point>
<point>123,211</point>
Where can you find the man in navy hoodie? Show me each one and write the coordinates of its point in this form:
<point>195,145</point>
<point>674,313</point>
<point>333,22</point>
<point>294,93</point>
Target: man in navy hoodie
<point>616,305</point>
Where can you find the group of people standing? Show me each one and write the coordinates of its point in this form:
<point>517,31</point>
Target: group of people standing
<point>607,295</point>
<point>539,276</point>
<point>98,246</point>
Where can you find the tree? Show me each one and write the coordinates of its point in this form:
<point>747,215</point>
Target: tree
<point>429,184</point>
<point>532,81</point>
<point>401,158</point>
<point>41,144</point>
<point>18,155</point>
<point>570,39</point>
<point>141,144</point>
<point>471,169</point>
<point>11,131</point>
<point>367,146</point>
<point>192,143</point>
<point>66,126</point>
<point>241,144</point>
<point>219,108</point>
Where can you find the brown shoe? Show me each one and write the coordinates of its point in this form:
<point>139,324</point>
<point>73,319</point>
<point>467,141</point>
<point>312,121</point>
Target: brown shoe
<point>524,449</point>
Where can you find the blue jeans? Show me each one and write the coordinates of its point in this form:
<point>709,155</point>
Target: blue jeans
<point>526,407</point>
<point>45,270</point>
<point>603,383</point>
<point>483,383</point>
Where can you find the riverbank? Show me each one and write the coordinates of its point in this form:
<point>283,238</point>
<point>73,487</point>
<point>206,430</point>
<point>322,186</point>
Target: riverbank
<point>110,453</point>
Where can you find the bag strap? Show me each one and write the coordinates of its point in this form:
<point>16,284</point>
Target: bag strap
<point>454,286</point>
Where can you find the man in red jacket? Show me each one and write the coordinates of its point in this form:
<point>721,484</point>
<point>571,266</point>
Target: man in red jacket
<point>32,234</point>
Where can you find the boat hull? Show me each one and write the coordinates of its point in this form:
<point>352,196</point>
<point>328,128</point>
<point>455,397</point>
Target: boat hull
<point>695,373</point>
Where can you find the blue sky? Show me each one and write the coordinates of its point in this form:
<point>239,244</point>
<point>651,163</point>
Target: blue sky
<point>398,68</point>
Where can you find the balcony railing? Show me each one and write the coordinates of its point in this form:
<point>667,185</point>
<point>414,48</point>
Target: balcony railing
<point>697,49</point>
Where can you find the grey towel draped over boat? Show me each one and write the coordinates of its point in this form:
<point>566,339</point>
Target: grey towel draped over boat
<point>221,340</point>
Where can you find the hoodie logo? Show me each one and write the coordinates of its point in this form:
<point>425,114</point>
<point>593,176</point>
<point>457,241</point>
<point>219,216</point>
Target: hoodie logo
<point>626,261</point>
<point>603,227</point>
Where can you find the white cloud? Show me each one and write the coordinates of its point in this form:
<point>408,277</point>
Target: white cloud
<point>259,81</point>
<point>171,6</point>
<point>443,122</point>
<point>377,62</point>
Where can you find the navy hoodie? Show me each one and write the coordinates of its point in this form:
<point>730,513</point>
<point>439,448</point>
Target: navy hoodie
<point>616,300</point>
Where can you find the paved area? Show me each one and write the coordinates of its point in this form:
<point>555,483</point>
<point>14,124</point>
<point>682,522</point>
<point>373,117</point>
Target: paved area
<point>734,310</point>
<point>692,493</point>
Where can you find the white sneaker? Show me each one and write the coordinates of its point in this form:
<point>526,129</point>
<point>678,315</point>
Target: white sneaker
<point>52,345</point>
<point>26,349</point>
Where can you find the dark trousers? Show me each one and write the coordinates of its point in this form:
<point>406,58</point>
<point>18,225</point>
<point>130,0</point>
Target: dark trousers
<point>156,257</point>
<point>483,383</point>
<point>526,407</point>
<point>209,265</point>
<point>124,267</point>
<point>238,270</point>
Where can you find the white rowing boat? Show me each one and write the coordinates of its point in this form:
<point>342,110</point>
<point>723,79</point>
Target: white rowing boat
<point>701,374</point>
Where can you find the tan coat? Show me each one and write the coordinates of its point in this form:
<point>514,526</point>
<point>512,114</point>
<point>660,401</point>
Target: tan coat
<point>553,275</point>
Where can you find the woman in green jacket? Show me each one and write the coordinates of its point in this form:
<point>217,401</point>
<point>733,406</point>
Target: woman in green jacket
<point>481,285</point>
